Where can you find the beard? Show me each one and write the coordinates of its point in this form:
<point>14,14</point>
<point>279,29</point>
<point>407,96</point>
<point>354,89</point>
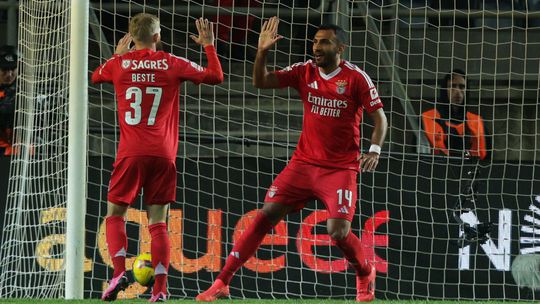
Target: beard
<point>325,60</point>
<point>8,80</point>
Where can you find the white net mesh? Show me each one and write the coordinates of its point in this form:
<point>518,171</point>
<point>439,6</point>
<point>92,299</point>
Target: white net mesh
<point>236,139</point>
<point>33,232</point>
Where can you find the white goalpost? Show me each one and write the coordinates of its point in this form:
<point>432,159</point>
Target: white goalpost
<point>235,139</point>
<point>76,179</point>
<point>42,165</point>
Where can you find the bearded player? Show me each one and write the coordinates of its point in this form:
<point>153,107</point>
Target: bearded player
<point>147,85</point>
<point>327,159</point>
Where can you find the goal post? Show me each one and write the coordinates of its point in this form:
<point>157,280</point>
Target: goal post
<point>77,152</point>
<point>32,255</point>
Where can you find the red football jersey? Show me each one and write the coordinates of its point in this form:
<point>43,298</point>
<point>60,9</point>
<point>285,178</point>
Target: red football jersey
<point>147,85</point>
<point>333,106</point>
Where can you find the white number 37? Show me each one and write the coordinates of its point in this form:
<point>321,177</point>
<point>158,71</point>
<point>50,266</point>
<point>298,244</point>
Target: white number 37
<point>135,94</point>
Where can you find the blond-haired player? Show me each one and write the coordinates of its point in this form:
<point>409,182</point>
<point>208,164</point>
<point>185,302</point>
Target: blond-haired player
<point>147,85</point>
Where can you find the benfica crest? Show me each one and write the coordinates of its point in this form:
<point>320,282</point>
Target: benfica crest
<point>272,191</point>
<point>126,63</point>
<point>341,84</point>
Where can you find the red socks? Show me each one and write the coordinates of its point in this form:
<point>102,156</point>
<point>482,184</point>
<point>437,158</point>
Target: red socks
<point>117,242</point>
<point>353,252</point>
<point>161,255</point>
<point>245,247</point>
<point>160,249</point>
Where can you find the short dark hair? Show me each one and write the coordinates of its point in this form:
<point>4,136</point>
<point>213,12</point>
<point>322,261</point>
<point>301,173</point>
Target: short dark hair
<point>443,90</point>
<point>340,33</point>
<point>450,75</point>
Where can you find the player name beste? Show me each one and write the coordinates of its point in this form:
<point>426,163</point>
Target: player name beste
<point>143,77</point>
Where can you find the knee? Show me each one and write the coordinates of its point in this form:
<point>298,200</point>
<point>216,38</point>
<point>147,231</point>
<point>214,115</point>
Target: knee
<point>116,210</point>
<point>275,212</point>
<point>156,219</point>
<point>338,233</point>
<point>273,217</point>
<point>157,214</point>
<point>338,229</point>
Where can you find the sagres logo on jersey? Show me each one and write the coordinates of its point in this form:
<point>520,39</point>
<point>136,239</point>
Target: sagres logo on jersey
<point>272,191</point>
<point>126,63</point>
<point>341,84</point>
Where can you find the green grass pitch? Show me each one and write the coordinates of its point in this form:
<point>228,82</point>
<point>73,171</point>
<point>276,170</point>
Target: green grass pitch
<point>255,301</point>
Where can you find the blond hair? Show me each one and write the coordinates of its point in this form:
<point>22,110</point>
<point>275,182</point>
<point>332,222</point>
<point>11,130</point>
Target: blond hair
<point>143,26</point>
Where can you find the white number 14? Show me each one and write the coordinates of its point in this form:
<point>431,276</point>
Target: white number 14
<point>135,93</point>
<point>348,196</point>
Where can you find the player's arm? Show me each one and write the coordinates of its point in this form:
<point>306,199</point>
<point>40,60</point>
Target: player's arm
<point>103,73</point>
<point>261,77</point>
<point>214,72</point>
<point>370,160</point>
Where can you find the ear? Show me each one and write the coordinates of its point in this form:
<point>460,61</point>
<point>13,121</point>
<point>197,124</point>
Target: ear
<point>341,48</point>
<point>156,37</point>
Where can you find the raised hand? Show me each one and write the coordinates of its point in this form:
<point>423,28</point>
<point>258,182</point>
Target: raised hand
<point>206,32</point>
<point>123,44</point>
<point>269,36</point>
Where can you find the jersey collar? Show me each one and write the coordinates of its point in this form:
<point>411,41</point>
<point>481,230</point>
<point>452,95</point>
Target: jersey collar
<point>144,51</point>
<point>330,75</point>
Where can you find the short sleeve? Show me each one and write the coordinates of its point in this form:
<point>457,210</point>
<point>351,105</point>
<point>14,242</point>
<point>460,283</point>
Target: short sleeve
<point>367,93</point>
<point>291,75</point>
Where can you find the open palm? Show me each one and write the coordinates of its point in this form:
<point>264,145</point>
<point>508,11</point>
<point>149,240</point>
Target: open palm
<point>206,32</point>
<point>269,36</point>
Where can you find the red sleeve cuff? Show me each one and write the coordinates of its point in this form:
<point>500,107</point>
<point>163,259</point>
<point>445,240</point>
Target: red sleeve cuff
<point>210,48</point>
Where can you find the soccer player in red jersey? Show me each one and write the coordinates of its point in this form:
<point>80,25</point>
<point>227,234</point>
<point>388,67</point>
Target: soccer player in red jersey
<point>147,85</point>
<point>327,159</point>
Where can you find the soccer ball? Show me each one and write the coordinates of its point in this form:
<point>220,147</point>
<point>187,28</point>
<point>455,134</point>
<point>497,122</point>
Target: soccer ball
<point>143,272</point>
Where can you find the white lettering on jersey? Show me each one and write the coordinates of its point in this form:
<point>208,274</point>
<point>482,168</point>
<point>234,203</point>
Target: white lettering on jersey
<point>326,111</point>
<point>326,102</point>
<point>150,64</point>
<point>374,102</point>
<point>143,77</point>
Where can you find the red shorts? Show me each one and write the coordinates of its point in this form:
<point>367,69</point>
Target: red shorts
<point>155,175</point>
<point>300,182</point>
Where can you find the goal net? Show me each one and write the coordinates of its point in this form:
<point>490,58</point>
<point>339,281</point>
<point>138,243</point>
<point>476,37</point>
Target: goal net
<point>436,226</point>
